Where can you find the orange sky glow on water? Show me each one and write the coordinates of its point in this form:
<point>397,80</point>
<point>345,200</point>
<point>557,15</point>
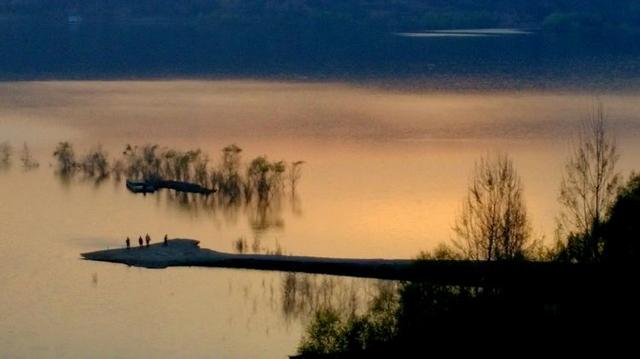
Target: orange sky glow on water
<point>384,176</point>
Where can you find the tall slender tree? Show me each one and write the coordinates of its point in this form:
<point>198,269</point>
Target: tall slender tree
<point>493,223</point>
<point>588,188</point>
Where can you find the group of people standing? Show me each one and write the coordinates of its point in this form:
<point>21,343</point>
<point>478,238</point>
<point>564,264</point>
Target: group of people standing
<point>147,239</point>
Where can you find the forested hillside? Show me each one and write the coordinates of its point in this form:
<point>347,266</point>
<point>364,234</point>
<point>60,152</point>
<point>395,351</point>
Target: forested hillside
<point>553,15</point>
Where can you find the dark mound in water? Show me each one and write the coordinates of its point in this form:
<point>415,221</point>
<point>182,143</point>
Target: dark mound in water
<point>151,186</point>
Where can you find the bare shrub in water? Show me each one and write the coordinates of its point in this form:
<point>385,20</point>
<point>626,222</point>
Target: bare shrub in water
<point>257,177</point>
<point>178,164</point>
<point>133,162</point>
<point>201,169</point>
<point>142,162</point>
<point>65,157</point>
<point>264,178</point>
<point>118,169</point>
<point>5,153</point>
<point>95,163</point>
<point>28,162</point>
<point>240,245</point>
<point>277,176</point>
<point>227,178</point>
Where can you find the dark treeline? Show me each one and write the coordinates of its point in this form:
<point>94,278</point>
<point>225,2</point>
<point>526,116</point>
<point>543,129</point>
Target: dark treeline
<point>436,14</point>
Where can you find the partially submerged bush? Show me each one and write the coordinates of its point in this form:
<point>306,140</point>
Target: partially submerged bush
<point>201,170</point>
<point>180,165</point>
<point>28,162</point>
<point>142,162</point>
<point>240,245</point>
<point>263,178</point>
<point>118,169</point>
<point>227,178</point>
<point>66,157</point>
<point>95,163</point>
<point>5,153</point>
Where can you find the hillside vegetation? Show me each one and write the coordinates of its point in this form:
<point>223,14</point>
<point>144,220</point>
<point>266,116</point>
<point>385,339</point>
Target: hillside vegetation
<point>551,15</point>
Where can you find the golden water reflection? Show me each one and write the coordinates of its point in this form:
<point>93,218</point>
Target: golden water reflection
<point>384,174</point>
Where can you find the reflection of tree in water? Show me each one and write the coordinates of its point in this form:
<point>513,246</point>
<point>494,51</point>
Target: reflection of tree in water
<point>305,294</point>
<point>264,215</point>
<point>292,299</point>
<point>295,203</point>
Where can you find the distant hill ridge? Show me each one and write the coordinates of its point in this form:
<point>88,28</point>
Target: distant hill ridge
<point>554,15</point>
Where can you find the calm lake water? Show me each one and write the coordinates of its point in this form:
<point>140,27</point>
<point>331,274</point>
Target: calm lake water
<point>384,175</point>
<point>389,127</point>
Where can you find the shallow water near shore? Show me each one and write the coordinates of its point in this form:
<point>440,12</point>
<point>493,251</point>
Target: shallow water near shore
<point>384,174</point>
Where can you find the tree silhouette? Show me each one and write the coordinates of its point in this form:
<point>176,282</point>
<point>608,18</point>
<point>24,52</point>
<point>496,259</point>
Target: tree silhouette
<point>493,224</point>
<point>66,157</point>
<point>622,229</point>
<point>588,189</point>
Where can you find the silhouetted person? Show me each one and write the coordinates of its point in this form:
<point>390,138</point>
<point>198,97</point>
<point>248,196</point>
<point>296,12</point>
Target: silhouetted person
<point>166,241</point>
<point>128,243</point>
<point>140,241</point>
<point>147,239</point>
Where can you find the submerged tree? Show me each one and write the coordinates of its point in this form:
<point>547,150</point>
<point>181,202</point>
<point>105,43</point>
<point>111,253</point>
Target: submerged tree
<point>118,169</point>
<point>142,162</point>
<point>65,156</point>
<point>201,169</point>
<point>28,162</point>
<point>96,163</point>
<point>265,178</point>
<point>228,177</point>
<point>493,224</point>
<point>5,153</point>
<point>588,189</point>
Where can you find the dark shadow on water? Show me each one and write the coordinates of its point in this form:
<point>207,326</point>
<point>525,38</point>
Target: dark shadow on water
<point>419,315</point>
